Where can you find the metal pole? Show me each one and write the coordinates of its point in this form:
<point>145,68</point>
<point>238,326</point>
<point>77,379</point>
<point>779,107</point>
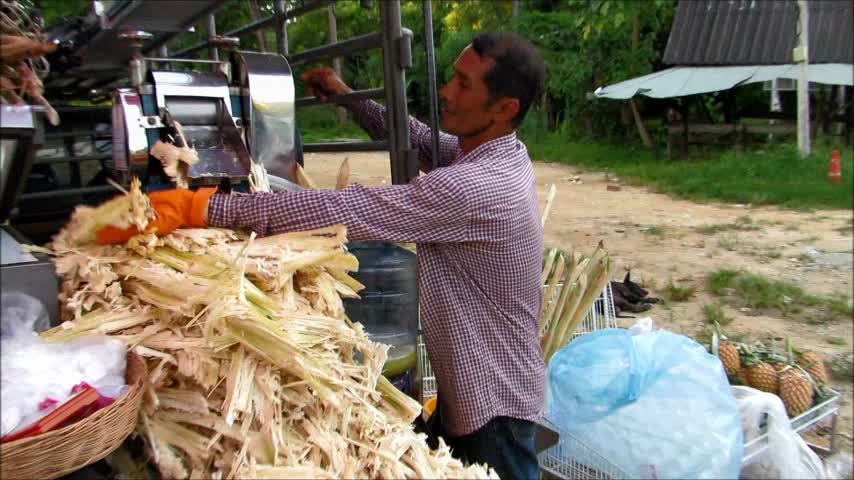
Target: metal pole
<point>801,55</point>
<point>281,28</point>
<point>214,54</point>
<point>336,61</point>
<point>431,81</point>
<point>163,52</point>
<point>403,159</point>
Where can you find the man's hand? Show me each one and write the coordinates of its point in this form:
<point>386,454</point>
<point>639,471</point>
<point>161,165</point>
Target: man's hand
<point>172,208</point>
<point>323,82</point>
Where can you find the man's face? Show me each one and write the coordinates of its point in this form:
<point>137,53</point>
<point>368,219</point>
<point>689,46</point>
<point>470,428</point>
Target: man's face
<point>464,98</point>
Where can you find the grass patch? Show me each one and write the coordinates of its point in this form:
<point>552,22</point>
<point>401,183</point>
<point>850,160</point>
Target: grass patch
<point>744,289</point>
<point>720,280</point>
<point>647,282</point>
<point>654,230</point>
<point>792,227</point>
<point>714,313</point>
<point>810,239</point>
<point>729,242</point>
<point>805,258</point>
<point>744,223</point>
<point>771,254</point>
<point>677,293</point>
<point>775,176</point>
<point>842,366</point>
<point>839,341</point>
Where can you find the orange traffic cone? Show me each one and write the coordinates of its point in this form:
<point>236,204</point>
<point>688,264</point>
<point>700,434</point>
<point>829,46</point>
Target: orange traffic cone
<point>834,172</point>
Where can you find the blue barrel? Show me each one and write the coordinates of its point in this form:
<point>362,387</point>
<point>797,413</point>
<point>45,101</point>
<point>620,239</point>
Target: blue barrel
<point>388,308</point>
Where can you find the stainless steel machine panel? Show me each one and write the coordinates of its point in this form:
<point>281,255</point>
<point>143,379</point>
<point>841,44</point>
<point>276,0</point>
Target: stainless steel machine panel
<point>272,120</point>
<point>33,275</point>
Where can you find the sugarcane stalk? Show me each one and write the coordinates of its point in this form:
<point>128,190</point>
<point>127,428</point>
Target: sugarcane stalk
<point>562,326</point>
<point>548,265</point>
<point>592,292</point>
<point>555,307</point>
<point>555,277</point>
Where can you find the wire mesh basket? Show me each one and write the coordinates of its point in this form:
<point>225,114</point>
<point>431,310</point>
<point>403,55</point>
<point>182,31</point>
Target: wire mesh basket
<point>570,458</point>
<point>601,315</point>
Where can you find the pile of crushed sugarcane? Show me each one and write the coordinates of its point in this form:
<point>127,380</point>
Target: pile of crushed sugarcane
<point>255,370</point>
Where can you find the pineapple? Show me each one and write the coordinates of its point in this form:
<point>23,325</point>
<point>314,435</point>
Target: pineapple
<point>778,366</point>
<point>814,365</point>
<point>728,353</point>
<point>763,377</point>
<point>796,391</point>
<point>741,376</point>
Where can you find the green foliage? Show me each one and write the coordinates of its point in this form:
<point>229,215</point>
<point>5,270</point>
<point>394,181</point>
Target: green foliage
<point>678,293</point>
<point>755,291</point>
<point>654,230</point>
<point>720,280</point>
<point>715,314</point>
<point>320,124</point>
<point>588,44</point>
<point>742,223</point>
<point>53,11</point>
<point>775,176</point>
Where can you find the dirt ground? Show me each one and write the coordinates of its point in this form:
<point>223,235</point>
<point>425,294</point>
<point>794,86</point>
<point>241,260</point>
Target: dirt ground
<point>655,236</point>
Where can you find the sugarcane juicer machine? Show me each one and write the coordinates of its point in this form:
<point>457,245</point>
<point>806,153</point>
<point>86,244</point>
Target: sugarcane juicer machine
<point>240,111</point>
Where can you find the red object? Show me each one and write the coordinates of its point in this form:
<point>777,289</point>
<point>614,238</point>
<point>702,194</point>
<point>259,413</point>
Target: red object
<point>834,172</point>
<point>58,417</point>
<point>47,403</point>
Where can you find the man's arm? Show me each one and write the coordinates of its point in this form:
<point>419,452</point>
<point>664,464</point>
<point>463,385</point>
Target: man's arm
<point>432,208</point>
<point>370,115</point>
<point>324,82</point>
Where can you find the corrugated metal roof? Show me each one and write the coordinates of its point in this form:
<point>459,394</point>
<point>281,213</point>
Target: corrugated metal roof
<point>758,32</point>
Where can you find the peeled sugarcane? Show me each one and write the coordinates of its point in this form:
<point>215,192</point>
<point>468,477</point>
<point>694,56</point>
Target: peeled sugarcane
<point>548,265</point>
<point>254,369</point>
<point>583,282</point>
<point>552,285</point>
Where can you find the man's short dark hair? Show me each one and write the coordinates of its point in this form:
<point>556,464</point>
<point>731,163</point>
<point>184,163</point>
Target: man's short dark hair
<point>519,71</point>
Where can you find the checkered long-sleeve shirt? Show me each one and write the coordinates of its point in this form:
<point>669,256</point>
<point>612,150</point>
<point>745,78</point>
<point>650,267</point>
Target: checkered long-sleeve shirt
<point>477,227</point>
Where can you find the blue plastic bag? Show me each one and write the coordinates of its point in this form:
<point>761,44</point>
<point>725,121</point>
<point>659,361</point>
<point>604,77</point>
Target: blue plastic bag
<point>657,404</point>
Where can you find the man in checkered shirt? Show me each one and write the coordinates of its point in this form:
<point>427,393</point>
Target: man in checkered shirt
<point>476,222</point>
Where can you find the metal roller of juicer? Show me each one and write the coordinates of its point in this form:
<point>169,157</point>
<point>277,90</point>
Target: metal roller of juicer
<point>242,111</point>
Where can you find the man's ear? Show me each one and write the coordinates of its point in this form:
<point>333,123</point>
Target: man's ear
<point>506,109</point>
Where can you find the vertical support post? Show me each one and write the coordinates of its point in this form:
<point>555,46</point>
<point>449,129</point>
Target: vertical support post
<point>801,55</point>
<point>403,159</point>
<point>427,5</point>
<point>211,24</point>
<point>281,27</point>
<point>336,62</point>
<point>163,52</point>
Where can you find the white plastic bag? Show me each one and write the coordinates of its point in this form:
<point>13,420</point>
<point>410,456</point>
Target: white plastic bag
<point>21,313</point>
<point>787,455</point>
<point>35,371</point>
<point>839,466</point>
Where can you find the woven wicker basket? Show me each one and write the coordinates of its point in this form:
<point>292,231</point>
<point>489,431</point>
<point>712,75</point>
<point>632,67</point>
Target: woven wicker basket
<point>58,452</point>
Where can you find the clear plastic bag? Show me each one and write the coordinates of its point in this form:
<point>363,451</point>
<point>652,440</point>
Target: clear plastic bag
<point>39,376</point>
<point>21,314</point>
<point>839,466</point>
<point>655,404</point>
<point>787,455</point>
